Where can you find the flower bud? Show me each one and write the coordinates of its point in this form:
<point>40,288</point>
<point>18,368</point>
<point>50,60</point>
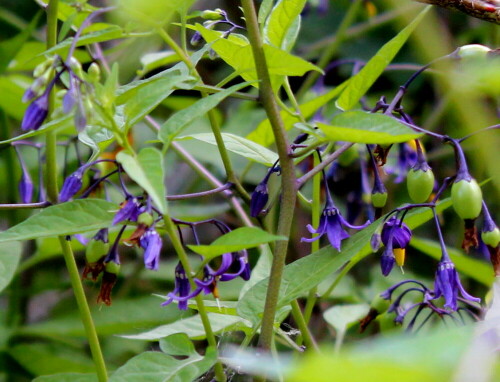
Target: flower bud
<point>473,51</point>
<point>196,39</point>
<point>94,73</point>
<point>259,199</point>
<point>467,198</point>
<point>36,113</point>
<point>212,15</point>
<point>76,67</point>
<point>72,185</point>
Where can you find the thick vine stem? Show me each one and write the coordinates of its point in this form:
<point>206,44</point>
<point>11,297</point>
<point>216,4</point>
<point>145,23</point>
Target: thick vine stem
<point>288,181</point>
<point>488,10</point>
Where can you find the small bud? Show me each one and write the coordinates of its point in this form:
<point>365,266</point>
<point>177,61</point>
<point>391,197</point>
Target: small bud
<point>94,73</point>
<point>26,188</point>
<point>473,51</point>
<point>387,261</point>
<point>72,185</point>
<point>196,39</point>
<point>259,198</point>
<point>76,67</point>
<point>211,15</point>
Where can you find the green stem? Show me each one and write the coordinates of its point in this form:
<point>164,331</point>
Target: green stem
<point>288,186</point>
<point>84,309</point>
<point>302,324</point>
<point>52,193</point>
<point>331,50</point>
<point>181,253</point>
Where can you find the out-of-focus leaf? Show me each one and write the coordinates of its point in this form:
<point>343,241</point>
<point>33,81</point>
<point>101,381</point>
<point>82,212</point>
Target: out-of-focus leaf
<point>58,123</point>
<point>10,48</point>
<point>10,254</point>
<point>361,82</point>
<point>12,105</point>
<point>236,240</point>
<point>193,327</point>
<point>159,367</point>
<point>67,377</point>
<point>44,358</point>
<point>177,344</point>
<point>240,146</point>
<point>362,127</point>
<point>146,169</point>
<point>177,122</point>
<point>341,316</point>
<point>63,219</point>
<point>123,316</point>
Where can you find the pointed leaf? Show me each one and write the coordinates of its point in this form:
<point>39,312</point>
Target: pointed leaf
<point>146,169</point>
<point>341,316</point>
<point>283,16</point>
<point>363,127</point>
<point>240,146</point>
<point>236,240</point>
<point>177,344</point>
<point>362,81</point>
<point>63,219</point>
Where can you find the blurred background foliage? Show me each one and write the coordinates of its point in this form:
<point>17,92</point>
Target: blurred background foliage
<point>40,332</point>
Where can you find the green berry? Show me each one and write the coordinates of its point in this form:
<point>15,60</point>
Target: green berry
<point>379,199</point>
<point>491,238</point>
<point>95,250</point>
<point>467,198</point>
<point>420,185</point>
<point>112,267</point>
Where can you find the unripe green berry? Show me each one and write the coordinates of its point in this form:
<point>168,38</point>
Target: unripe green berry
<point>95,250</point>
<point>380,304</point>
<point>467,198</point>
<point>491,238</point>
<point>420,185</point>
<point>379,199</point>
<point>112,267</point>
<point>146,219</point>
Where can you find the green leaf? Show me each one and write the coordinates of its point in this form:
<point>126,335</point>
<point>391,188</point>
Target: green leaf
<point>261,270</point>
<point>236,240</point>
<point>41,358</point>
<point>123,316</point>
<point>240,146</point>
<point>10,254</point>
<point>177,122</point>
<point>264,10</point>
<point>139,99</point>
<point>97,138</point>
<point>263,134</point>
<point>67,377</point>
<point>238,54</point>
<point>474,268</point>
<point>113,32</point>
<point>159,367</point>
<point>220,307</point>
<point>177,344</point>
<point>63,219</point>
<point>193,327</point>
<point>146,169</point>
<point>282,18</point>
<point>362,81</point>
<point>341,316</point>
<point>363,127</point>
<point>11,85</point>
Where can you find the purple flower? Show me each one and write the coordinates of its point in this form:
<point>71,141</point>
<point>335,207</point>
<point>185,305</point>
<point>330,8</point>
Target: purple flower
<point>36,113</point>
<point>152,243</point>
<point>259,198</point>
<point>387,260</point>
<point>399,231</point>
<point>72,184</point>
<point>129,210</point>
<point>332,223</point>
<point>447,284</point>
<point>241,261</point>
<point>181,290</point>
